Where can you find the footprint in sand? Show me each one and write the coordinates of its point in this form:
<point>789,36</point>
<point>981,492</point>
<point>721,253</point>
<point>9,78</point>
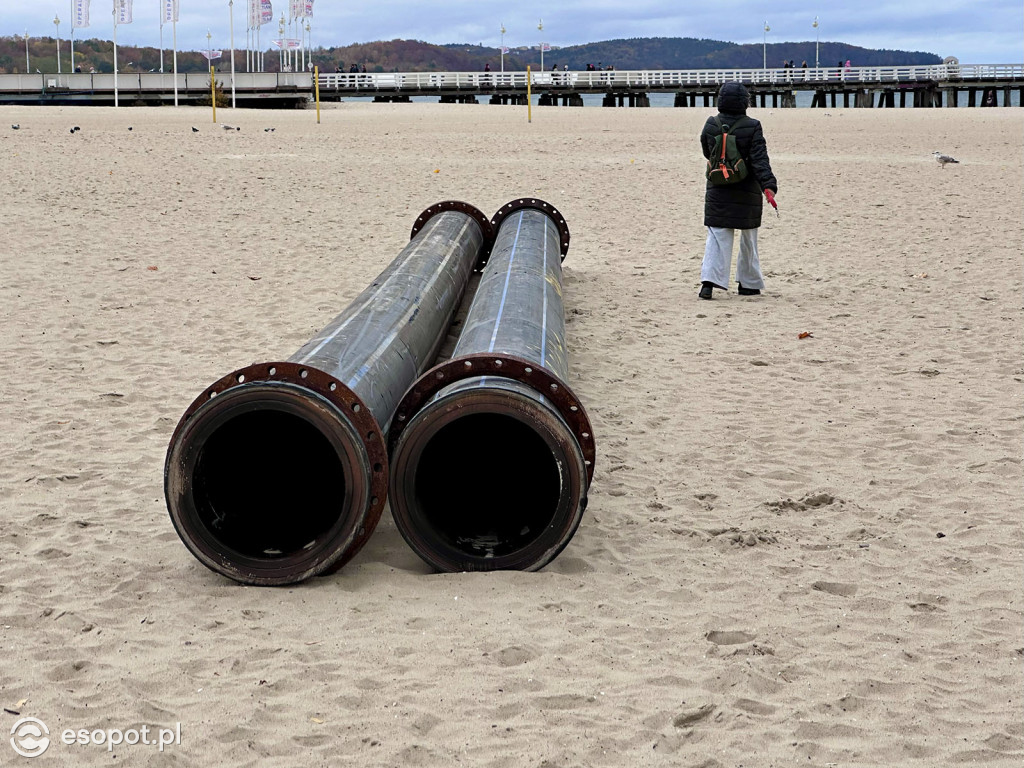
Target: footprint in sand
<point>693,716</point>
<point>835,588</point>
<point>812,501</point>
<point>513,656</point>
<point>728,637</point>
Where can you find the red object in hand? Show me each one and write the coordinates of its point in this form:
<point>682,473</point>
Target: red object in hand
<point>770,196</point>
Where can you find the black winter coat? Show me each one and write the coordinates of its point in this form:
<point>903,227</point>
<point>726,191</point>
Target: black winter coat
<point>738,206</point>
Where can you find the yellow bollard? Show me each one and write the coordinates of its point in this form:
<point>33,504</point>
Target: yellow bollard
<point>316,84</point>
<point>529,99</point>
<point>213,94</point>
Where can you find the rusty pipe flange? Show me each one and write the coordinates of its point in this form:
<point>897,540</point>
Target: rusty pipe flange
<point>518,369</point>
<point>327,410</point>
<point>539,205</point>
<point>473,212</point>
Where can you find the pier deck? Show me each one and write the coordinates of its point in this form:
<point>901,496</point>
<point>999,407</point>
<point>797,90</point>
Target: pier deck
<point>984,85</point>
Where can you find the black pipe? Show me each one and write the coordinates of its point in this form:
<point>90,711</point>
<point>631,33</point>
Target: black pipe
<point>492,453</point>
<point>278,471</point>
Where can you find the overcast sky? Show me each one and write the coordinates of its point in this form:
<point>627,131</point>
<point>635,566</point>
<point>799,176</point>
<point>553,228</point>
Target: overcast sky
<point>976,31</point>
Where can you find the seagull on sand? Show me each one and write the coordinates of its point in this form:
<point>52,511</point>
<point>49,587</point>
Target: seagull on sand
<point>194,129</point>
<point>943,160</point>
<point>16,126</point>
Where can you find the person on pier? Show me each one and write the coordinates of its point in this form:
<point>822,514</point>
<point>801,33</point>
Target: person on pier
<point>738,206</point>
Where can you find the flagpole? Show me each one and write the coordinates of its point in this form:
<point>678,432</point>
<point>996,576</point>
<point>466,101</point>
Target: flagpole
<point>248,22</point>
<point>115,56</point>
<point>72,69</point>
<point>161,48</point>
<point>174,36</point>
<point>231,22</point>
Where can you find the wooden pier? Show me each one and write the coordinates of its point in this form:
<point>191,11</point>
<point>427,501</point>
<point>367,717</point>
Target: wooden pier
<point>941,85</point>
<point>918,86</point>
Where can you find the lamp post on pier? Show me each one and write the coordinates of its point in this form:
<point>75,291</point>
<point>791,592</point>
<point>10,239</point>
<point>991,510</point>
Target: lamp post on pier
<point>28,65</point>
<point>56,23</point>
<point>540,28</point>
<point>767,29</point>
<point>502,46</point>
<point>817,37</point>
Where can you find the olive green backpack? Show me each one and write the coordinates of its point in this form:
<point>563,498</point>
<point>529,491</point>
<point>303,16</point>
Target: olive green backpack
<point>725,164</point>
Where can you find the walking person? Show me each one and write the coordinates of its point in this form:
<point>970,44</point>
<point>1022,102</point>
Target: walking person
<point>729,208</point>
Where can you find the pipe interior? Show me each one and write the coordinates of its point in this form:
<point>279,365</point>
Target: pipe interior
<point>487,484</point>
<point>268,484</point>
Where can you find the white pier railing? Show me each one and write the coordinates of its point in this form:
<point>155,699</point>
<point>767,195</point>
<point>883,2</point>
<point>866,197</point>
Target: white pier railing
<point>666,79</point>
<point>484,82</point>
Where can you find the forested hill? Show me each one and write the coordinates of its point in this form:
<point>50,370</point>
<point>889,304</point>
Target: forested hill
<point>417,56</point>
<point>691,53</point>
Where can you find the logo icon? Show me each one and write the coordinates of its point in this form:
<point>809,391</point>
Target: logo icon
<point>30,737</point>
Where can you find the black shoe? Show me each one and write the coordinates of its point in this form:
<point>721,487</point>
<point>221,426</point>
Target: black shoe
<point>705,290</point>
<point>748,291</point>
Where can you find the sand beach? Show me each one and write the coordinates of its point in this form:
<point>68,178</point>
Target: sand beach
<point>797,551</point>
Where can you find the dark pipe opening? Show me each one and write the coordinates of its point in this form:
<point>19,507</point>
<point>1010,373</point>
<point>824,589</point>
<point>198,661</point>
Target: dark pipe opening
<point>487,484</point>
<point>268,484</point>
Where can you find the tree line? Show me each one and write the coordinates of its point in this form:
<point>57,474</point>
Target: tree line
<point>93,55</point>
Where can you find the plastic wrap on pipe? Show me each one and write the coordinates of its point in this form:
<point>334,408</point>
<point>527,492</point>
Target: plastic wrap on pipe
<point>492,453</point>
<point>278,471</point>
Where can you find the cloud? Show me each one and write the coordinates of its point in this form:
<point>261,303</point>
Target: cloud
<point>985,31</point>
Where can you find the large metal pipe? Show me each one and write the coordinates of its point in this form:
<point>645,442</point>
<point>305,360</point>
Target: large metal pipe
<point>278,471</point>
<point>491,452</point>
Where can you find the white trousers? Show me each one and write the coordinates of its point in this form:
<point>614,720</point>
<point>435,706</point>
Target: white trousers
<point>718,258</point>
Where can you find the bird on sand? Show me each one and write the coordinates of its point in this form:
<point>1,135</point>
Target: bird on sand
<point>944,160</point>
<point>16,126</point>
<point>194,129</point>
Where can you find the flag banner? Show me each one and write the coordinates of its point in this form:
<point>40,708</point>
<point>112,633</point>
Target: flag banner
<point>295,9</point>
<point>504,49</point>
<point>122,11</point>
<point>545,47</point>
<point>211,55</point>
<point>81,14</point>
<point>307,9</point>
<point>266,13</point>
<point>170,11</point>
<point>291,44</point>
<point>254,13</point>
